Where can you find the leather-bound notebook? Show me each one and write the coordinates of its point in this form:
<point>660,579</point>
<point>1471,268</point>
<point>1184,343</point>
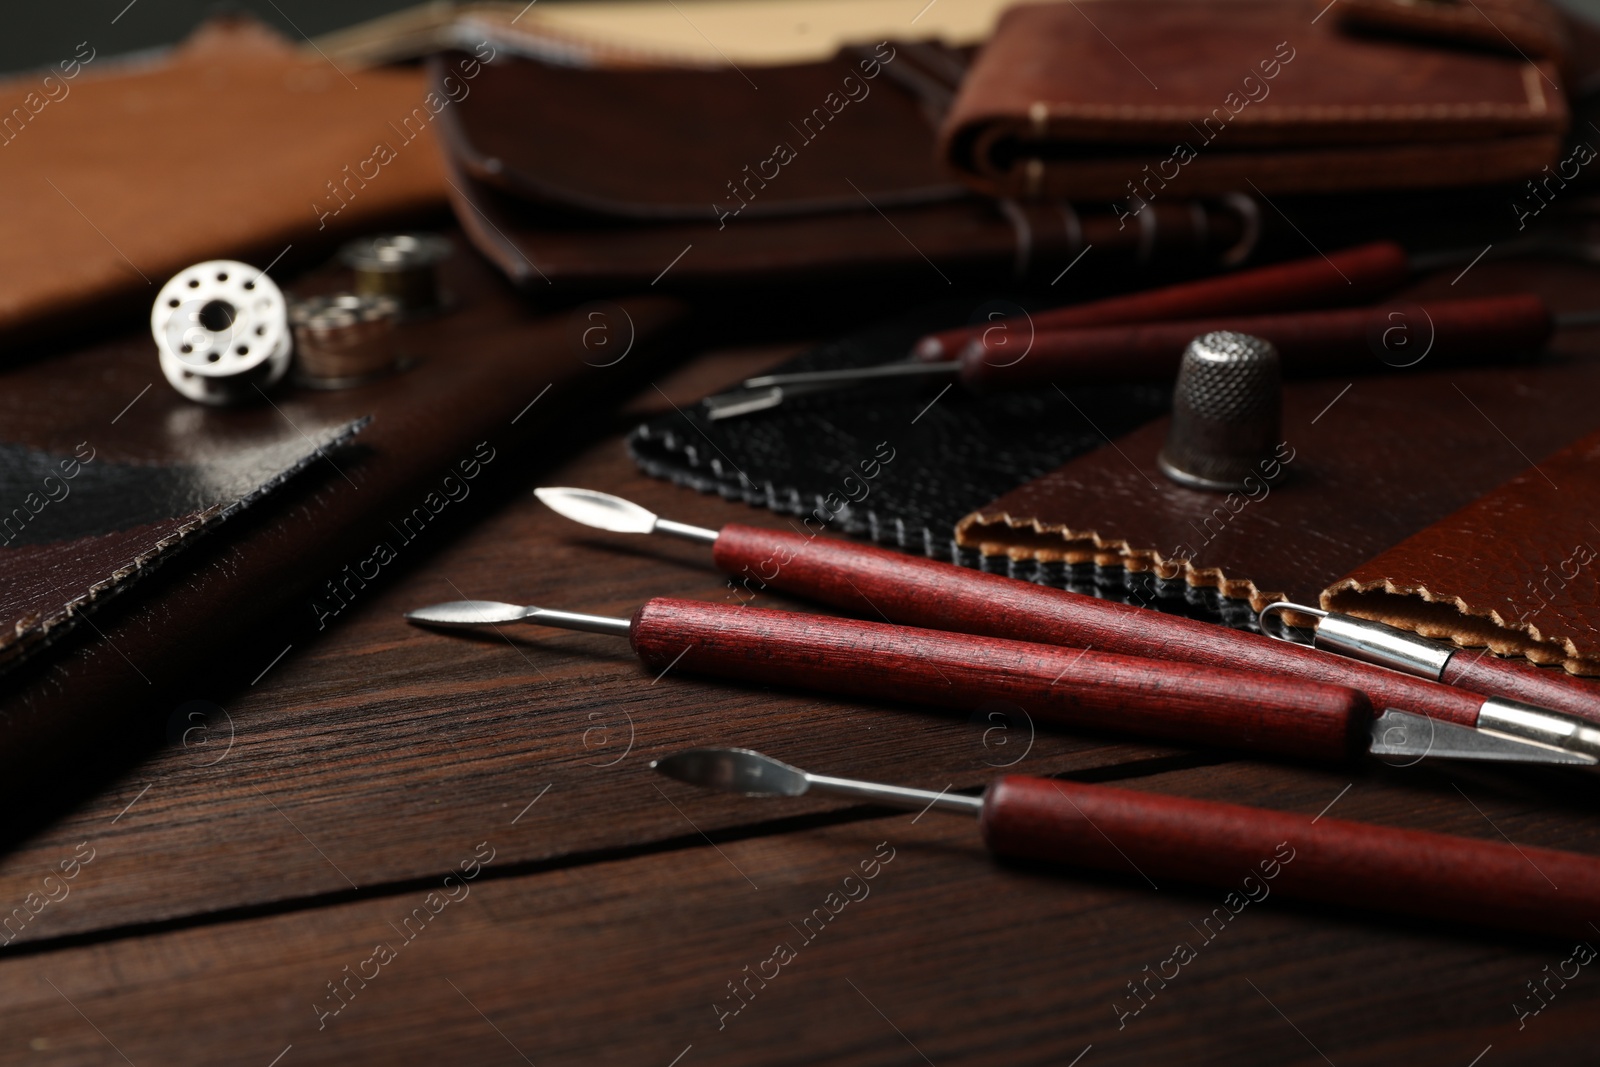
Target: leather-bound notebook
<point>1141,101</point>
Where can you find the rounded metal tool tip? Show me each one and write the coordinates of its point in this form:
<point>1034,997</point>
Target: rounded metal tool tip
<point>1227,413</point>
<point>463,613</point>
<point>733,770</point>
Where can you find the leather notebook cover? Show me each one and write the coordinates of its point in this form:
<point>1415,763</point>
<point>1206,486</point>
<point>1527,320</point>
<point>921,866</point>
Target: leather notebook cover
<point>1197,98</point>
<point>118,173</point>
<point>1515,570</point>
<point>692,179</point>
<point>1371,461</point>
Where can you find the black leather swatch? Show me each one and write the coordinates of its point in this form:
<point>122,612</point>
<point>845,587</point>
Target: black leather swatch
<point>951,452</point>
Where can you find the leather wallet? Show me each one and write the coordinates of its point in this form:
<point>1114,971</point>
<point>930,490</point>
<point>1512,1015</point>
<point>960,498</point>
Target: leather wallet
<point>698,179</point>
<point>1142,100</point>
<point>1513,571</point>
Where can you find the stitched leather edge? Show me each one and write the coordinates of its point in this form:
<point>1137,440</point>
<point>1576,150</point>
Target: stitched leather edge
<point>1414,607</point>
<point>1079,546</point>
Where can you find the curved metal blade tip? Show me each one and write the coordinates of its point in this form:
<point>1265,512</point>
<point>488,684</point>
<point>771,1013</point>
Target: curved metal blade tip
<point>600,510</point>
<point>734,770</point>
<point>462,613</point>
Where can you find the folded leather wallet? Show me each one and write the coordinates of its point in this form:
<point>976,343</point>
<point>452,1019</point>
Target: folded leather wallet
<point>820,173</point>
<point>1140,100</point>
<point>1513,571</point>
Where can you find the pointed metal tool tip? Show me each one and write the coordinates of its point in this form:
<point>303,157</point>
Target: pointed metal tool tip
<point>462,613</point>
<point>599,510</point>
<point>734,770</point>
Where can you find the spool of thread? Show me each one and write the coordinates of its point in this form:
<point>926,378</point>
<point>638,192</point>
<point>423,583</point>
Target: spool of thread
<point>344,340</point>
<point>222,332</point>
<point>403,266</point>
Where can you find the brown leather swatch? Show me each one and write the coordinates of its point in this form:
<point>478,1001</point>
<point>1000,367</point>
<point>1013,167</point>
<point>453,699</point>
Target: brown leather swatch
<point>1147,99</point>
<point>80,527</point>
<point>1372,464</point>
<point>1515,570</point>
<point>233,144</point>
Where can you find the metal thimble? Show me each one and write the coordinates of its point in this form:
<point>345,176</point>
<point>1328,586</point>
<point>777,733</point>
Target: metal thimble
<point>1227,413</point>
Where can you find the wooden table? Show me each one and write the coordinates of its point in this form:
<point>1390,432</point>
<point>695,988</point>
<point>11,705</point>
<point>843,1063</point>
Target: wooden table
<point>402,846</point>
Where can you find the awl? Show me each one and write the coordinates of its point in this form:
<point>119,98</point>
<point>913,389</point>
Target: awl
<point>1151,836</point>
<point>917,591</point>
<point>1310,343</point>
<point>1179,703</point>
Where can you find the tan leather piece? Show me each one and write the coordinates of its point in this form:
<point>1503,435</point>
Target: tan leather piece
<point>1372,466</point>
<point>1516,571</point>
<point>1167,98</point>
<point>223,147</point>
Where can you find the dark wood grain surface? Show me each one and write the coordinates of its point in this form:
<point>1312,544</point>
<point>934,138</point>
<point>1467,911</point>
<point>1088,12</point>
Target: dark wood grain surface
<point>238,872</point>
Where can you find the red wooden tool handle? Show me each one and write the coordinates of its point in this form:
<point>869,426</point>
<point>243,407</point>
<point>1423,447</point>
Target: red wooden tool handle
<point>1441,333</point>
<point>1549,687</point>
<point>1257,853</point>
<point>1354,276</point>
<point>914,591</point>
<point>1174,702</point>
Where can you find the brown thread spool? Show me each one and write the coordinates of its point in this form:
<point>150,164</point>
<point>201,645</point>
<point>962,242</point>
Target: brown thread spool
<point>402,266</point>
<point>344,340</point>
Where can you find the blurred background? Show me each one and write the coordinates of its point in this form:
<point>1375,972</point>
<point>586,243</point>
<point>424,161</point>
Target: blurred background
<point>37,35</point>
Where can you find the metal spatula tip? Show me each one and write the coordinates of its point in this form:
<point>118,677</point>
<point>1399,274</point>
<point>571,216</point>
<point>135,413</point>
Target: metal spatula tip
<point>467,613</point>
<point>733,770</point>
<point>599,510</point>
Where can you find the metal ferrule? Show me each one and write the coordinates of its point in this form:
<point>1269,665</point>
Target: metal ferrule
<point>1385,646</point>
<point>685,531</point>
<point>896,796</point>
<point>1541,726</point>
<point>572,620</point>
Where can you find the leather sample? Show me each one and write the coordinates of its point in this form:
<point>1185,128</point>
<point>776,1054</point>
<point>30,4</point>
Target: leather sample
<point>1199,98</point>
<point>248,146</point>
<point>1513,571</point>
<point>485,379</point>
<point>1371,461</point>
<point>81,527</point>
<point>900,465</point>
<point>827,174</point>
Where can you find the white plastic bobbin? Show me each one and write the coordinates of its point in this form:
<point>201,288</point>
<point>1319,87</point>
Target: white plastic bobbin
<point>222,328</point>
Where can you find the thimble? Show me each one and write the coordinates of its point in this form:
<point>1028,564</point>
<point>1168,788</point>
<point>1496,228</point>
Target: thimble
<point>1227,411</point>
